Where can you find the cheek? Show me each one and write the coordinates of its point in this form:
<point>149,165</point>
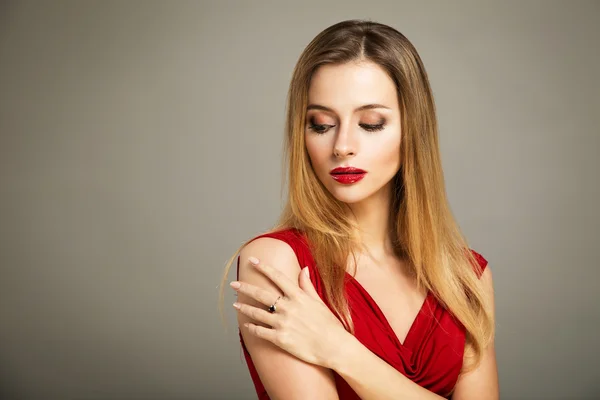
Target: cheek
<point>316,153</point>
<point>386,153</point>
<point>394,147</point>
<point>392,152</point>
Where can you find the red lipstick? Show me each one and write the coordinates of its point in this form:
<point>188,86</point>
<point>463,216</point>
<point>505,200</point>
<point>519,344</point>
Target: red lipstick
<point>347,175</point>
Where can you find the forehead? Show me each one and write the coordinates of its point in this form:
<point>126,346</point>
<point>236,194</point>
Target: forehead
<point>346,86</point>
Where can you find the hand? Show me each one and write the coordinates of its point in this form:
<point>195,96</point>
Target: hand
<point>302,324</point>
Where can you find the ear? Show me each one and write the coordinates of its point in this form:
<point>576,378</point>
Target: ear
<point>306,284</point>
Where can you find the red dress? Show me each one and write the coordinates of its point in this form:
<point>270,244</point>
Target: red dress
<point>432,353</point>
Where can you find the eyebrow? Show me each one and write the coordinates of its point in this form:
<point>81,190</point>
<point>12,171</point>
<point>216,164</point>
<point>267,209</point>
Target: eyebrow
<point>364,107</point>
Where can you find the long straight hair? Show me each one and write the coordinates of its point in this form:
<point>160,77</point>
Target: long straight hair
<point>423,230</point>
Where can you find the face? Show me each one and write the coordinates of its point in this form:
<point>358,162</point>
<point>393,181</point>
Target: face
<point>353,120</point>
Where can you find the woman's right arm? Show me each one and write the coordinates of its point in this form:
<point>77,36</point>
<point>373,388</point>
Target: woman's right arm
<point>284,376</point>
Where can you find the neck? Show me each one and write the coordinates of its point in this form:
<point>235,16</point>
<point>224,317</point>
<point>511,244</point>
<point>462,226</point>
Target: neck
<point>372,217</point>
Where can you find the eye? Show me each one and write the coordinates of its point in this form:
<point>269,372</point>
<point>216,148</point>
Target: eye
<point>319,129</point>
<point>373,128</point>
<point>322,128</point>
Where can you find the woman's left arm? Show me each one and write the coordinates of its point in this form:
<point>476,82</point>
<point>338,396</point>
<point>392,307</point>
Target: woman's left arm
<point>372,378</point>
<point>482,383</point>
<point>307,329</point>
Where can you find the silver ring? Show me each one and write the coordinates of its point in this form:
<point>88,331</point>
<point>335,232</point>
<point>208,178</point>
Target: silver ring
<point>272,307</point>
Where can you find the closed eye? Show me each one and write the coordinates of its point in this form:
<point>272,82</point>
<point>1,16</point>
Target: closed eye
<point>373,128</point>
<point>320,129</point>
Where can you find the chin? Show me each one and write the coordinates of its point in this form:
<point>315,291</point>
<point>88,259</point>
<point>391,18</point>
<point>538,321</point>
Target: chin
<point>349,196</point>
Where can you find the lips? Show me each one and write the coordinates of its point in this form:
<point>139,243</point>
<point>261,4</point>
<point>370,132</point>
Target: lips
<point>347,175</point>
<point>347,170</point>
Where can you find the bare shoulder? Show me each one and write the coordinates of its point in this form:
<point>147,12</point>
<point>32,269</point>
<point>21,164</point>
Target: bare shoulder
<point>282,374</point>
<point>487,282</point>
<point>487,279</point>
<point>274,252</point>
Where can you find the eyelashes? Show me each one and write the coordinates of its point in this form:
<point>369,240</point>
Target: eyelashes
<point>321,129</point>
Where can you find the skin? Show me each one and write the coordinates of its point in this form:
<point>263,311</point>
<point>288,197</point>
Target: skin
<point>347,141</point>
<point>292,338</point>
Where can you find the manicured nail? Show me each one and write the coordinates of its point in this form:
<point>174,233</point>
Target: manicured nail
<point>253,260</point>
<point>235,285</point>
<point>306,271</point>
<point>236,305</point>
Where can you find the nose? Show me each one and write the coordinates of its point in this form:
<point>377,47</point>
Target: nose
<point>344,145</point>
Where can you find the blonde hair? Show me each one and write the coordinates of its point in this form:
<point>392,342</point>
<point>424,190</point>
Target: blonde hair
<point>424,231</point>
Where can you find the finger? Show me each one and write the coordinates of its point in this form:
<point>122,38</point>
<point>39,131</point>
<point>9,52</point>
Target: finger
<point>306,284</point>
<point>259,294</point>
<point>261,332</point>
<point>289,287</point>
<point>257,314</point>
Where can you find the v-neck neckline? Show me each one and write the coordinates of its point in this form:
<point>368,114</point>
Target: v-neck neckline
<point>411,330</point>
<point>384,318</point>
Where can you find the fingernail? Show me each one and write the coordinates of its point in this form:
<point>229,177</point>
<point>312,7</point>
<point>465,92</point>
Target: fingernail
<point>306,271</point>
<point>235,285</point>
<point>253,260</point>
<point>236,305</point>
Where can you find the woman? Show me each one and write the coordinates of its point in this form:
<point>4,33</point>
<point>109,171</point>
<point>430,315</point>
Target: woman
<point>390,303</point>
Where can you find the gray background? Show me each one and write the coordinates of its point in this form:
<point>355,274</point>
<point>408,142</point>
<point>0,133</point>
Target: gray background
<point>140,144</point>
